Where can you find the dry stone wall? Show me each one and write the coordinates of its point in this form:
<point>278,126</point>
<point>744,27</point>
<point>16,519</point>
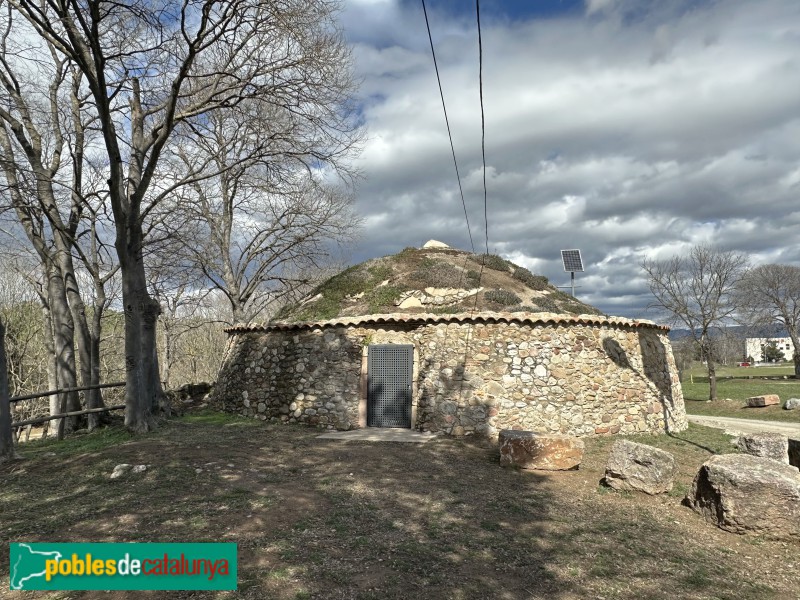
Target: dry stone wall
<point>568,377</point>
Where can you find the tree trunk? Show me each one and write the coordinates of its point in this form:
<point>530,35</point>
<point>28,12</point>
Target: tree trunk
<point>7,450</point>
<point>95,396</point>
<point>712,379</point>
<point>167,364</point>
<point>142,386</point>
<point>52,367</point>
<point>63,339</point>
<point>707,355</point>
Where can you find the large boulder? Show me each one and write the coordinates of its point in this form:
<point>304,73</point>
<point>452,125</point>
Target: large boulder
<point>765,400</point>
<point>639,467</point>
<point>748,494</point>
<point>792,404</point>
<point>529,450</point>
<point>767,445</point>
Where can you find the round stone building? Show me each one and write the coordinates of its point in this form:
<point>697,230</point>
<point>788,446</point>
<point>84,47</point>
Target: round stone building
<point>437,339</point>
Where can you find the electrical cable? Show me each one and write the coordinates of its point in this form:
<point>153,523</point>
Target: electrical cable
<point>447,122</point>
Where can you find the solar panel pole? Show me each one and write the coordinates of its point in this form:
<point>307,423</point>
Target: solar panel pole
<point>572,262</point>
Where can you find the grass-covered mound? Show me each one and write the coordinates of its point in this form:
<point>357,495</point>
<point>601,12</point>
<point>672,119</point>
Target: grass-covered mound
<point>433,280</point>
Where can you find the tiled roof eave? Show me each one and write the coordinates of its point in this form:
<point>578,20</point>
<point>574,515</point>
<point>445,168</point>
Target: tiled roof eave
<point>485,317</point>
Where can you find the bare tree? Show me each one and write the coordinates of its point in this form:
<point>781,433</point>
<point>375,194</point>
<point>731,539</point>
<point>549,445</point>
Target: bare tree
<point>150,69</point>
<point>272,190</point>
<point>769,295</point>
<point>697,291</point>
<point>42,137</point>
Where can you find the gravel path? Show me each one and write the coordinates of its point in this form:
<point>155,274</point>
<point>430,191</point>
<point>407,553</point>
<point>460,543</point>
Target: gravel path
<point>740,426</point>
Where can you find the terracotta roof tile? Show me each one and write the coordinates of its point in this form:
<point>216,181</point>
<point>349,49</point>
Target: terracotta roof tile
<point>432,319</point>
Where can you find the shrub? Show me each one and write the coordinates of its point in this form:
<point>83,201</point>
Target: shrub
<point>502,297</point>
<point>435,273</point>
<point>384,295</point>
<point>473,278</point>
<point>534,282</point>
<point>524,308</point>
<point>492,261</point>
<point>547,304</point>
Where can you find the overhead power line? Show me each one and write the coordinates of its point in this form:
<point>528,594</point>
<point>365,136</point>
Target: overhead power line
<point>449,134</point>
<point>483,125</point>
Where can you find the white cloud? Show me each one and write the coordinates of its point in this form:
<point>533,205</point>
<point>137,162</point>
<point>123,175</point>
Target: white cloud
<point>624,131</point>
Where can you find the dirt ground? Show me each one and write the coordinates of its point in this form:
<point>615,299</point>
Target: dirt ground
<point>328,519</point>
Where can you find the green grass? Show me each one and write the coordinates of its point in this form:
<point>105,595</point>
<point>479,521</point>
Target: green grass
<point>735,385</point>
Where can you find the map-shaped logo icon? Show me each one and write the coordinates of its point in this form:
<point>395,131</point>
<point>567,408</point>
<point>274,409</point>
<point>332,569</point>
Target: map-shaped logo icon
<point>28,564</point>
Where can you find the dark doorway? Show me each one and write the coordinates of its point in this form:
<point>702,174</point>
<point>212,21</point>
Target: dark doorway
<point>389,372</point>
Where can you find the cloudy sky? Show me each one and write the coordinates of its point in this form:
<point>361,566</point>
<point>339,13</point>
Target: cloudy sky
<point>623,128</point>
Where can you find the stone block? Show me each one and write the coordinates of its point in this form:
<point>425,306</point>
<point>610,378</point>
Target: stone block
<point>748,494</point>
<point>765,400</point>
<point>640,468</point>
<point>548,452</point>
<point>766,445</point>
<point>794,453</point>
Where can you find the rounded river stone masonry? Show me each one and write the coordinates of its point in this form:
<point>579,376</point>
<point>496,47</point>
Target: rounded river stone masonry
<point>472,374</point>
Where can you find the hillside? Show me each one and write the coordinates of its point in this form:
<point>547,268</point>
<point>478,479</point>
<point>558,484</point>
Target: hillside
<point>435,279</point>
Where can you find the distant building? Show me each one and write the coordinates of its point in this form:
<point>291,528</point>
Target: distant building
<point>754,347</point>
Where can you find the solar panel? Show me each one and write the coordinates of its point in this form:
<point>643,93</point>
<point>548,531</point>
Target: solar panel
<point>572,260</point>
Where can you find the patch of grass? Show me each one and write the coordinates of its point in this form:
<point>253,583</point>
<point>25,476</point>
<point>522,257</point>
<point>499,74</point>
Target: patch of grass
<point>448,310</point>
<point>213,417</point>
<point>502,297</point>
<point>96,441</point>
<point>738,410</point>
<point>697,578</point>
<point>732,392</point>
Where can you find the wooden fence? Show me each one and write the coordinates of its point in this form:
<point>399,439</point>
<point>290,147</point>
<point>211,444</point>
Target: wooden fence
<point>29,423</point>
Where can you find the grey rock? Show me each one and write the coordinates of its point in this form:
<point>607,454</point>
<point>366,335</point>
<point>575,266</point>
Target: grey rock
<point>748,494</point>
<point>139,469</point>
<point>640,468</point>
<point>792,404</point>
<point>766,445</point>
<point>120,470</point>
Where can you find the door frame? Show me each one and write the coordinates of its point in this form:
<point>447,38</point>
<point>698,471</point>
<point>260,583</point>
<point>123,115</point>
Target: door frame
<point>364,383</point>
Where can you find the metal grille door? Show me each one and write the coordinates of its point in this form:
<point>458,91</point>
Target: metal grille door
<point>389,371</point>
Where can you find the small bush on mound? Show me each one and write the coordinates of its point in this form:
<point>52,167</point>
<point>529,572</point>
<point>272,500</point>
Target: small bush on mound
<point>502,297</point>
<point>547,304</point>
<point>524,308</point>
<point>492,261</point>
<point>473,278</point>
<point>439,274</point>
<point>534,282</point>
<point>448,310</point>
<point>386,295</point>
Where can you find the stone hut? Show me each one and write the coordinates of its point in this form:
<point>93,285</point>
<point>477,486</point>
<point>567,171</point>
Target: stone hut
<point>461,372</point>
